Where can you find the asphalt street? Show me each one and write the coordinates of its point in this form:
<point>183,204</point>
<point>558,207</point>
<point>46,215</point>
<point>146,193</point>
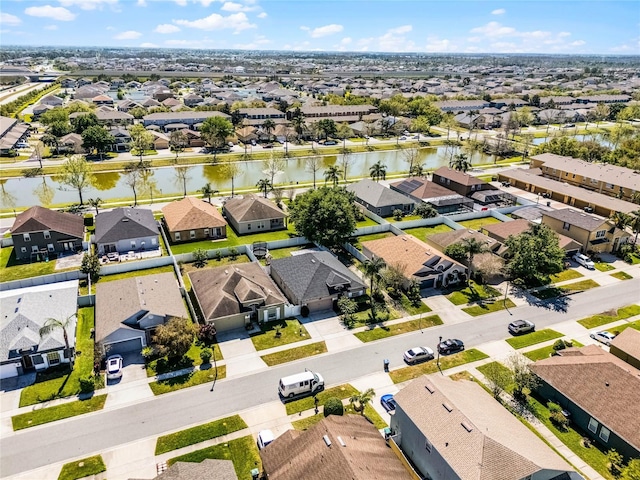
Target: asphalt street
<point>90,434</point>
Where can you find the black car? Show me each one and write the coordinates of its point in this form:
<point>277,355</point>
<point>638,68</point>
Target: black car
<point>450,345</point>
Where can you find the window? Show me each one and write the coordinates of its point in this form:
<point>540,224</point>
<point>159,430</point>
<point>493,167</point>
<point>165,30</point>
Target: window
<point>177,234</point>
<point>26,237</point>
<point>593,425</point>
<point>206,232</point>
<point>427,445</point>
<point>604,434</point>
<point>153,241</point>
<point>53,358</point>
<point>609,186</point>
<point>133,244</point>
<point>601,233</point>
<point>23,249</point>
<point>37,359</point>
<point>441,179</point>
<point>192,234</point>
<point>47,234</point>
<point>248,226</point>
<point>566,226</point>
<point>50,247</point>
<point>34,249</point>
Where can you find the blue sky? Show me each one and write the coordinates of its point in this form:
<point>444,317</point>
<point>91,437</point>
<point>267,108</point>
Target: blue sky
<point>509,26</point>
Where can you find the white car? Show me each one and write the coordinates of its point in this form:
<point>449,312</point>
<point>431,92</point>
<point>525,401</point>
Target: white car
<point>603,337</point>
<point>418,354</point>
<point>583,260</point>
<point>114,367</point>
<point>265,437</point>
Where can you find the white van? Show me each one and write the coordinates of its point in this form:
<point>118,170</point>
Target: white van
<point>306,382</point>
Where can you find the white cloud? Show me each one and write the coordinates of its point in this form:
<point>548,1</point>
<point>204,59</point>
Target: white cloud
<point>498,11</point>
<point>262,15</point>
<point>436,44</point>
<point>166,28</point>
<point>494,29</point>
<point>343,44</point>
<point>236,22</point>
<point>87,4</point>
<point>395,41</point>
<point>148,45</point>
<point>182,3</point>
<point>141,3</point>
<point>325,30</point>
<point>47,11</point>
<point>205,3</point>
<point>236,7</point>
<point>400,30</point>
<point>51,27</point>
<point>128,35</point>
<point>577,43</point>
<point>9,20</point>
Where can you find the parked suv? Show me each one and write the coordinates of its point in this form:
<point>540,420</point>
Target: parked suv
<point>521,326</point>
<point>583,260</point>
<point>451,345</point>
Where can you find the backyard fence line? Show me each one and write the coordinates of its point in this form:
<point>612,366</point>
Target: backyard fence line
<point>42,280</point>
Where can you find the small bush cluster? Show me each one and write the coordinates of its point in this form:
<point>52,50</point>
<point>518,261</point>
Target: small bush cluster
<point>562,344</point>
<point>333,406</point>
<point>206,334</point>
<point>556,416</point>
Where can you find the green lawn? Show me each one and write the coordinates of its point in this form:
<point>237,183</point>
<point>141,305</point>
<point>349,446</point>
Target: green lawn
<point>198,434</point>
<point>380,331</point>
<point>478,223</point>
<point>422,233</point>
<point>307,422</point>
<point>243,452</point>
<point>285,252</point>
<point>552,292</point>
<point>620,328</point>
<point>12,269</point>
<point>621,276</point>
<point>472,293</point>
<point>290,331</point>
<point>367,222</point>
<point>545,352</point>
<point>234,240</point>
<point>191,358</point>
<point>610,316</point>
<point>489,307</point>
<point>408,307</point>
<point>84,288</point>
<point>190,380</point>
<point>446,362</point>
<point>484,368</point>
<point>532,338</point>
<point>604,267</point>
<point>294,353</point>
<point>367,238</point>
<point>307,403</point>
<point>58,412</point>
<point>82,468</point>
<point>59,382</point>
<point>369,412</point>
<point>568,274</point>
<point>635,258</point>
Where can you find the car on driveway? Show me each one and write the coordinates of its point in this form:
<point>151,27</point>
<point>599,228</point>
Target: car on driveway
<point>418,354</point>
<point>265,437</point>
<point>603,337</point>
<point>387,402</point>
<point>521,326</point>
<point>114,367</point>
<point>583,260</point>
<point>450,345</point>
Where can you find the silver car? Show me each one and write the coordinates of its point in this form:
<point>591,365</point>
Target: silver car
<point>418,354</point>
<point>583,260</point>
<point>114,367</point>
<point>603,337</point>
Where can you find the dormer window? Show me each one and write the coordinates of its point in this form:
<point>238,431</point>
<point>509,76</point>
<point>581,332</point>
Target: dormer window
<point>26,237</point>
<point>47,234</point>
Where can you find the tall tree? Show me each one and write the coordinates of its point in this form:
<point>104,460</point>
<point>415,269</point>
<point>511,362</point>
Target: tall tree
<point>178,142</point>
<point>231,170</point>
<point>215,131</point>
<point>344,161</point>
<point>326,127</point>
<point>133,177</point>
<point>51,141</point>
<point>313,164</point>
<point>378,171</point>
<point>265,186</point>
<point>372,269</point>
<point>52,324</point>
<point>344,131</point>
<point>411,155</point>
<point>461,163</point>
<point>273,165</point>
<point>268,126</point>
<point>472,246</point>
<point>141,139</point>
<point>97,138</point>
<point>174,338</point>
<point>298,123</point>
<point>332,174</point>
<point>77,173</point>
<point>208,191</point>
<point>95,203</point>
<point>82,122</point>
<point>182,177</point>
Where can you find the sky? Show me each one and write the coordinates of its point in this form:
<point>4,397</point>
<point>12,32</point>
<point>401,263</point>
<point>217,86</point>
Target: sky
<point>440,26</point>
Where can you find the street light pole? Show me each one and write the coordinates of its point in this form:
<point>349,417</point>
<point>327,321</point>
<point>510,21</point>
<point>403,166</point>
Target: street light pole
<point>215,365</point>
<point>438,348</point>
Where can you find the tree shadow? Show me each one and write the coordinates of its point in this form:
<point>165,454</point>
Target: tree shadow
<point>558,303</point>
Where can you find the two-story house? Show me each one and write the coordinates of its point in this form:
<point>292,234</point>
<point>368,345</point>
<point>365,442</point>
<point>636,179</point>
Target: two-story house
<point>460,182</point>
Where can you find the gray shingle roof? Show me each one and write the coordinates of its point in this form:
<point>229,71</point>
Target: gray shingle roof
<point>378,195</point>
<point>124,223</point>
<point>578,219</point>
<point>251,208</point>
<point>38,219</point>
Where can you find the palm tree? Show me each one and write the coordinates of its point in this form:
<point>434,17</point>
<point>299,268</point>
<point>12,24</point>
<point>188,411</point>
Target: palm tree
<point>95,203</point>
<point>332,174</point>
<point>299,125</point>
<point>620,220</point>
<point>362,399</point>
<point>473,247</point>
<point>460,162</point>
<point>378,171</point>
<point>208,191</point>
<point>635,224</point>
<point>417,170</point>
<point>52,324</point>
<point>372,269</point>
<point>472,122</point>
<point>268,126</point>
<point>264,185</point>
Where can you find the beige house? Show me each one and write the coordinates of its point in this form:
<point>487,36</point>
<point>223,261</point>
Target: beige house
<point>253,214</point>
<point>192,219</point>
<point>234,296</point>
<point>503,230</point>
<point>626,346</point>
<point>593,233</point>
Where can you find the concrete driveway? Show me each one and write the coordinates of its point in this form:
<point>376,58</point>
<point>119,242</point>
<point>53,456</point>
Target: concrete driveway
<point>133,385</point>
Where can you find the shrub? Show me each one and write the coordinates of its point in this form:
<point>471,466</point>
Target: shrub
<point>147,353</point>
<point>87,384</point>
<point>233,253</point>
<point>397,214</point>
<point>199,258</point>
<point>424,210</point>
<point>207,334</point>
<point>205,355</point>
<point>218,255</point>
<point>304,311</point>
<point>615,462</point>
<point>333,406</point>
<point>559,345</point>
<point>556,416</point>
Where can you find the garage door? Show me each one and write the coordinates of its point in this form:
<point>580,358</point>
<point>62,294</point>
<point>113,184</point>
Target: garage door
<point>133,345</point>
<point>320,305</point>
<point>427,283</point>
<point>8,371</point>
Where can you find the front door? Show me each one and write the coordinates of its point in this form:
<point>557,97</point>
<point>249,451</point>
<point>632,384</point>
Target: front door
<point>27,363</point>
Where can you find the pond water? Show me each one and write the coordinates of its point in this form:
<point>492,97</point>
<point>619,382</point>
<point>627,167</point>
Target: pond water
<point>581,138</point>
<point>25,192</point>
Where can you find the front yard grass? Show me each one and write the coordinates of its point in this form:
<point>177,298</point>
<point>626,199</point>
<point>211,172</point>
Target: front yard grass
<point>545,352</point>
<point>610,316</point>
<point>367,238</point>
<point>82,468</point>
<point>294,353</point>
<point>411,309</point>
<point>409,373</point>
<point>478,223</point>
<point>307,403</point>
<point>568,274</point>
<point>422,233</point>
<point>604,267</point>
<point>621,328</point>
<point>472,293</point>
<point>12,269</point>
<point>84,288</point>
<point>621,276</point>
<point>189,380</point>
<point>380,331</point>
<point>532,338</point>
<point>489,307</point>
<point>369,413</point>
<point>59,382</point>
<point>242,451</point>
<point>290,331</point>
<point>552,292</point>
<point>191,358</point>
<point>201,433</point>
<point>484,368</point>
<point>58,412</point>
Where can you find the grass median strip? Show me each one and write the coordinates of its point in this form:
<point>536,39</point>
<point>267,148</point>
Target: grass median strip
<point>82,468</point>
<point>552,292</point>
<point>610,316</point>
<point>296,353</point>
<point>533,338</point>
<point>382,331</point>
<point>192,379</point>
<point>198,434</point>
<point>621,275</point>
<point>58,412</point>
<point>307,403</point>
<point>409,373</point>
<point>243,452</point>
<point>489,307</point>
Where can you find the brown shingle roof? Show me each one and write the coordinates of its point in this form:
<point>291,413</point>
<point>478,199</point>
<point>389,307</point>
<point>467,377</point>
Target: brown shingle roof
<point>579,219</point>
<point>191,214</point>
<point>502,231</point>
<point>422,188</point>
<point>304,455</point>
<point>37,219</point>
<point>599,383</point>
<point>629,342</point>
<point>458,176</point>
<point>251,208</point>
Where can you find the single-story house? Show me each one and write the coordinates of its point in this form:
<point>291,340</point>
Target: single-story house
<point>208,469</point>
<point>125,229</point>
<point>503,230</point>
<point>626,346</point>
<point>160,140</point>
<point>315,279</point>
<point>253,214</point>
<point>417,261</point>
<point>192,219</point>
<point>235,296</point>
<point>23,312</point>
<point>129,310</point>
<point>597,389</point>
<point>40,232</point>
<point>455,430</point>
<point>71,142</point>
<point>441,198</point>
<point>379,199</point>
